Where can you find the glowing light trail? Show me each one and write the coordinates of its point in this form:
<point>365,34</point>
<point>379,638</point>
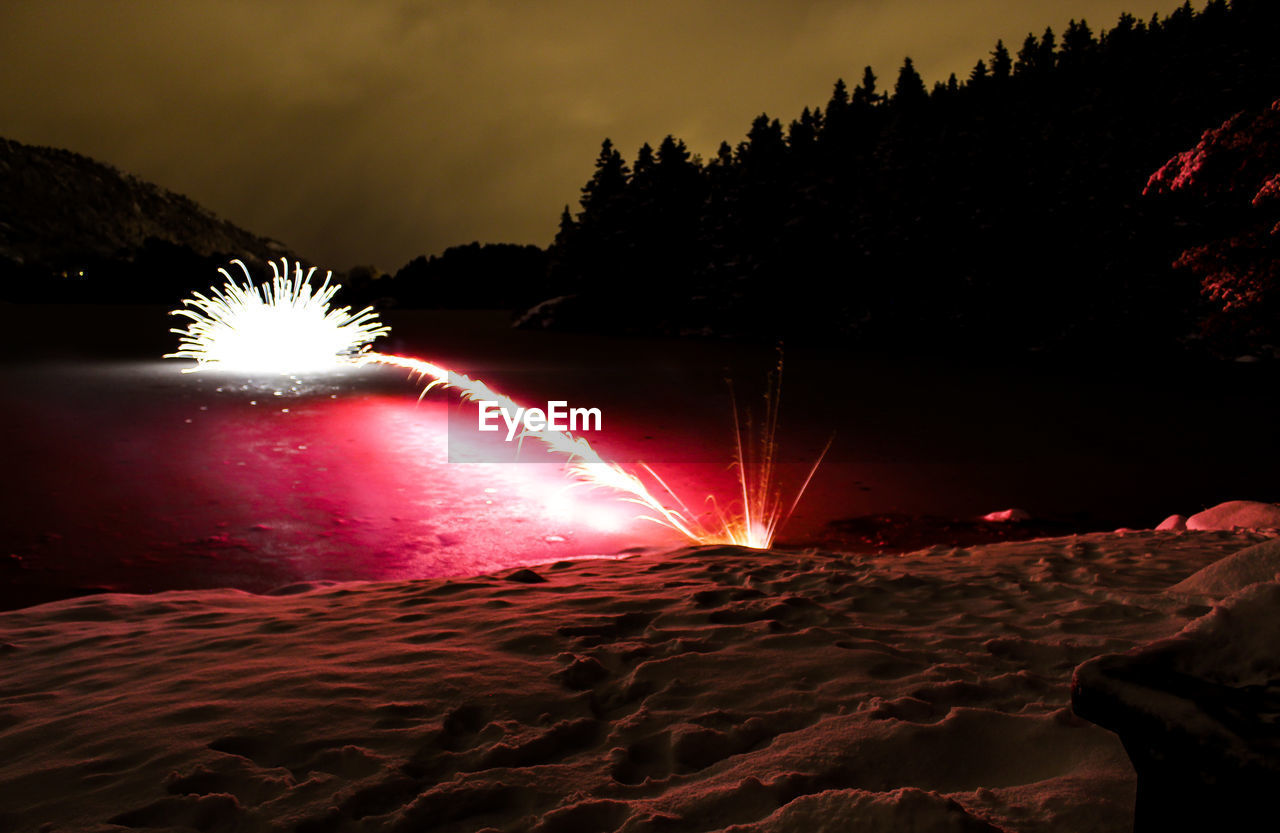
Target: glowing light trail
<point>584,463</point>
<point>287,326</point>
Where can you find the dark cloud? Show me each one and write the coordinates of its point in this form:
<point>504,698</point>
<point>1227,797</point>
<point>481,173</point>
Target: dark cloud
<point>376,130</point>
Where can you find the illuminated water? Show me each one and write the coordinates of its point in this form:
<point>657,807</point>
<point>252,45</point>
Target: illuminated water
<point>123,473</point>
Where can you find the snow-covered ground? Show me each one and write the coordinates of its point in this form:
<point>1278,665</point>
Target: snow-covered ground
<point>698,690</point>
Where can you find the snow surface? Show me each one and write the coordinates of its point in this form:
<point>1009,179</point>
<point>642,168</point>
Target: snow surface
<point>1251,565</point>
<point>700,690</point>
<point>1198,712</point>
<point>1007,516</point>
<point>1242,514</point>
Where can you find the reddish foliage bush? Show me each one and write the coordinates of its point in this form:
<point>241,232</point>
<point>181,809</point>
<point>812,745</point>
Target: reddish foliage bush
<point>1235,169</point>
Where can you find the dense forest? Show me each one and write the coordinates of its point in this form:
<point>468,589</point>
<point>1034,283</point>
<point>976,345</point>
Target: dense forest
<point>495,275</point>
<point>1004,210</point>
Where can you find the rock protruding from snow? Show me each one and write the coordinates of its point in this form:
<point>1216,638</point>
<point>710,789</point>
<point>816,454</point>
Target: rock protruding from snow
<point>1237,514</point>
<point>1251,565</point>
<point>1007,516</point>
<point>1199,714</point>
<point>1173,523</point>
<point>526,576</point>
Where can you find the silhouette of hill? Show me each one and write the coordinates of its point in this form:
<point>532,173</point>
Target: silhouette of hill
<point>1002,211</point>
<point>72,228</point>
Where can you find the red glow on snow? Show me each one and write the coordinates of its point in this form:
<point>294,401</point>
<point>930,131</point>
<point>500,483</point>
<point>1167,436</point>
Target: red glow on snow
<point>371,474</point>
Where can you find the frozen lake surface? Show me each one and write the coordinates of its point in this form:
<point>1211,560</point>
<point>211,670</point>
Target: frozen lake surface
<point>126,474</point>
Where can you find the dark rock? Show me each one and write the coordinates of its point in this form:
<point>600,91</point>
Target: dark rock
<point>526,576</point>
<point>583,673</point>
<point>1199,714</point>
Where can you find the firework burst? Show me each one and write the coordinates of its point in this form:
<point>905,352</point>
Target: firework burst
<point>285,326</point>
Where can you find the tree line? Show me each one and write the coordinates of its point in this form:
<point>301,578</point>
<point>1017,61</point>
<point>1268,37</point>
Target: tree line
<point>1001,210</point>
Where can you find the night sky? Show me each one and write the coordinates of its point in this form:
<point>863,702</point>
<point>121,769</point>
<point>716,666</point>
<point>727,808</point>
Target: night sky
<point>370,132</point>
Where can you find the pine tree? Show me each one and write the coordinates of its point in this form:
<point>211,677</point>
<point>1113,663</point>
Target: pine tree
<point>817,119</point>
<point>1027,56</point>
<point>644,159</point>
<point>1123,35</point>
<point>864,95</point>
<point>566,229</point>
<point>836,128</point>
<point>602,238</point>
<point>1077,44</point>
<point>1047,51</point>
<point>672,153</point>
<point>1181,17</point>
<point>1214,12</point>
<point>1037,55</point>
<point>677,172</point>
<point>724,156</point>
<point>801,133</point>
<point>764,146</point>
<point>838,107</point>
<point>1001,63</point>
<point>909,89</point>
<point>608,182</point>
<point>642,170</point>
<point>662,221</point>
<point>978,76</point>
<point>839,96</point>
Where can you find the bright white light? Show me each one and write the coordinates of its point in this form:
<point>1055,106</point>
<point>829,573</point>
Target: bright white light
<point>563,506</point>
<point>285,326</point>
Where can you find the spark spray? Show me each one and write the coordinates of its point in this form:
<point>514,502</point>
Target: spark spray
<point>287,326</point>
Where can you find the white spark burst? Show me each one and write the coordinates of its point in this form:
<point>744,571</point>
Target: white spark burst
<point>285,326</point>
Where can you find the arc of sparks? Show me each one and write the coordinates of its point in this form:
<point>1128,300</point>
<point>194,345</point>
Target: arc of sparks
<point>584,463</point>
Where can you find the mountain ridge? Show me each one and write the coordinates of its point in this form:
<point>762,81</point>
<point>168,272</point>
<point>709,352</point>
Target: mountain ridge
<point>66,217</point>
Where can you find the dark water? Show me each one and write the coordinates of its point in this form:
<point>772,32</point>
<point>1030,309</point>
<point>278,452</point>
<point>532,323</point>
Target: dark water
<point>124,474</point>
